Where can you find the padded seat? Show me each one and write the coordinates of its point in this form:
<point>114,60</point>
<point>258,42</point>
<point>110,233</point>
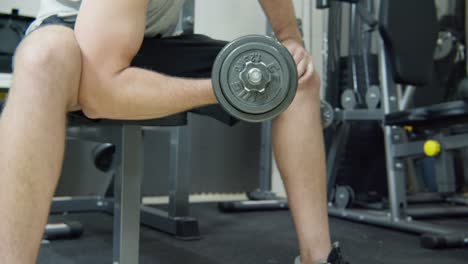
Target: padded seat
<point>409,30</point>
<point>79,119</point>
<point>435,117</point>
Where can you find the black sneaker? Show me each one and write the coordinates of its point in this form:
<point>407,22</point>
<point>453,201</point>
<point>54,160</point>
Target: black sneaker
<point>335,257</point>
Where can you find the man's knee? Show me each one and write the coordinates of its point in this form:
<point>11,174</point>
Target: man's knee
<point>50,47</point>
<point>310,89</point>
<point>50,55</point>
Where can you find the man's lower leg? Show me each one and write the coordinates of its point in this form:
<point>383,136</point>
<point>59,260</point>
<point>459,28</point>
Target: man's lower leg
<point>32,135</point>
<point>299,151</point>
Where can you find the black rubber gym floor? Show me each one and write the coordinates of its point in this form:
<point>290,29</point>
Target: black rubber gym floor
<point>247,238</point>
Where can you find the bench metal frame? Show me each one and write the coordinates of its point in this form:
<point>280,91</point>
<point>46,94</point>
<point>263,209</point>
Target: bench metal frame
<point>126,204</point>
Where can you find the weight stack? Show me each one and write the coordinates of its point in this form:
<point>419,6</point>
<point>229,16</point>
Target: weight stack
<point>361,164</point>
<point>363,72</point>
<point>362,161</point>
<point>340,78</point>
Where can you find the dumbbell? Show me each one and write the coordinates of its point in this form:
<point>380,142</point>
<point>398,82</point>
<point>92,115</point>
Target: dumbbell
<point>255,79</point>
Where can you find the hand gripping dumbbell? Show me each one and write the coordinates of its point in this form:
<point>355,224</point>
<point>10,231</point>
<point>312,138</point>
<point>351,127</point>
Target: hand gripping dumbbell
<point>255,79</point>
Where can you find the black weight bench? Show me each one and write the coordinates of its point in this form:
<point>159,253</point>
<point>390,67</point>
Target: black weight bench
<point>79,119</point>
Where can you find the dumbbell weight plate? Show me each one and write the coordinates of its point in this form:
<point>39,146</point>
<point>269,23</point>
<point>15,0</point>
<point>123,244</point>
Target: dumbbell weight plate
<point>344,196</point>
<point>328,115</point>
<point>235,64</point>
<point>348,99</point>
<point>373,97</point>
<point>229,81</point>
<point>445,45</point>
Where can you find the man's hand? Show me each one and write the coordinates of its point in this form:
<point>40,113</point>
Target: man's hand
<point>283,21</point>
<point>305,67</point>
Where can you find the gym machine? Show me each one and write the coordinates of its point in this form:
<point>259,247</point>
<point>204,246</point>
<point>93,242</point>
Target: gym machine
<point>366,87</point>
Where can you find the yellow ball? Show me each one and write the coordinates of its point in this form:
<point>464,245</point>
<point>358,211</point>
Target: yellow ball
<point>409,128</point>
<point>432,148</point>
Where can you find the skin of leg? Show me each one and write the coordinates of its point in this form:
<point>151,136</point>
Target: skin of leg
<point>299,151</point>
<point>32,135</point>
<point>110,88</point>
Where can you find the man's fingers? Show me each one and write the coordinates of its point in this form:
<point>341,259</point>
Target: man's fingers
<point>302,68</point>
<point>298,57</point>
<point>303,62</point>
<point>308,73</point>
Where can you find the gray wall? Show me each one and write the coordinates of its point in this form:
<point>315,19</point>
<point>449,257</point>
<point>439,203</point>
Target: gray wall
<point>26,7</point>
<point>224,159</point>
